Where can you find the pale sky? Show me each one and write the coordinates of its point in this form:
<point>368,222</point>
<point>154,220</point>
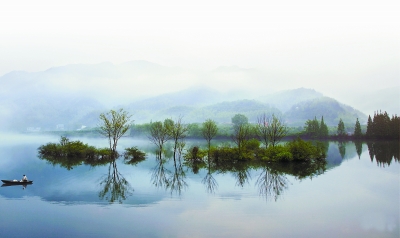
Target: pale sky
<point>348,43</point>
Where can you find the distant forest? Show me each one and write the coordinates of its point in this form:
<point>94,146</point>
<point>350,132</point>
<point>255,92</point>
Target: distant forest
<point>380,126</point>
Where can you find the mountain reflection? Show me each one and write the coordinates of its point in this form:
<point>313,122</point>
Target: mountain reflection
<point>114,186</point>
<point>384,152</point>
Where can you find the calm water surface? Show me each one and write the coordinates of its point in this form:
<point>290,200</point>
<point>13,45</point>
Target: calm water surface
<point>354,197</point>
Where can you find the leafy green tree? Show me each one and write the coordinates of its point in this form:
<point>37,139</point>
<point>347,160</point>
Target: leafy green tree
<point>340,129</point>
<point>158,134</point>
<point>276,130</point>
<point>241,134</point>
<point>357,130</point>
<point>323,129</point>
<point>114,124</point>
<point>312,128</point>
<point>209,131</point>
<point>177,132</point>
<point>239,119</point>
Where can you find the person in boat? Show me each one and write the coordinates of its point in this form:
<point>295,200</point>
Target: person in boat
<point>24,179</point>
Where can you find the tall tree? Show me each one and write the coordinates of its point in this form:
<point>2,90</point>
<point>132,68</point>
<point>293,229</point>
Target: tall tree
<point>262,129</point>
<point>177,131</point>
<point>209,131</point>
<point>276,130</point>
<point>323,129</point>
<point>241,134</point>
<point>357,130</point>
<point>114,124</point>
<point>158,134</point>
<point>369,132</point>
<point>340,129</point>
<point>239,119</point>
<point>312,128</point>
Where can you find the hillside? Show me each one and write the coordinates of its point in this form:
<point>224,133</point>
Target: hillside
<point>331,109</point>
<point>74,95</point>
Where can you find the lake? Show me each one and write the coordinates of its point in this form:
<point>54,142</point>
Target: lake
<point>355,196</point>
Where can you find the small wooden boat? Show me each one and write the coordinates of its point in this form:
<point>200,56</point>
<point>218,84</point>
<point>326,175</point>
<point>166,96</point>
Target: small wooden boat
<point>16,182</point>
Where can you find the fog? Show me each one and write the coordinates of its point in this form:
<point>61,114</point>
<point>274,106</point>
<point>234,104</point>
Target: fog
<point>346,51</point>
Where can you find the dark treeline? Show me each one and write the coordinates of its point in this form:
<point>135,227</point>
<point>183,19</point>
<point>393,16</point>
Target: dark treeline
<point>384,152</point>
<point>381,126</point>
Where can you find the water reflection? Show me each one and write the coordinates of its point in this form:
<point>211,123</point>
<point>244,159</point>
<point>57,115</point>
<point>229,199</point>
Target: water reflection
<point>172,179</point>
<point>115,186</point>
<point>384,152</point>
<point>176,181</point>
<point>159,173</point>
<point>16,185</point>
<point>209,181</point>
<point>271,183</point>
<point>358,145</point>
<point>342,148</point>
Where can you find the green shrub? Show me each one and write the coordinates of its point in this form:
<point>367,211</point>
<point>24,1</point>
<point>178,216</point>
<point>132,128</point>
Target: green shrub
<point>304,150</point>
<point>133,155</point>
<point>277,153</point>
<point>252,145</point>
<point>195,154</point>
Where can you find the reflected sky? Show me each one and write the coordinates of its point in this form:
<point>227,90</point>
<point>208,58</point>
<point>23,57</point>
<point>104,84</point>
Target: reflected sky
<point>353,198</point>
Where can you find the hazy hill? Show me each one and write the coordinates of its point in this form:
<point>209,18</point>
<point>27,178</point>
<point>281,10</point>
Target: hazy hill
<point>331,109</point>
<point>284,100</point>
<point>74,95</point>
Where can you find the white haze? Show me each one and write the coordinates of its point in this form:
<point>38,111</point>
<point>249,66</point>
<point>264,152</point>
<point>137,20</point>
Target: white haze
<point>346,50</point>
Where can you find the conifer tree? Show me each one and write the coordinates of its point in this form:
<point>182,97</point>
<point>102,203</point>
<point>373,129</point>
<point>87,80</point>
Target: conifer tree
<point>357,130</point>
<point>340,129</point>
<point>323,129</point>
<point>369,127</point>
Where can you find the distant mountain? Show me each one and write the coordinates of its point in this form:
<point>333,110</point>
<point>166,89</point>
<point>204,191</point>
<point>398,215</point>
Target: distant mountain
<point>284,100</point>
<point>327,107</point>
<point>75,95</point>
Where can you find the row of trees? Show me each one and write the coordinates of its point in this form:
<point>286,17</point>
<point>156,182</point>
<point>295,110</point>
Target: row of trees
<point>269,130</point>
<point>381,126</point>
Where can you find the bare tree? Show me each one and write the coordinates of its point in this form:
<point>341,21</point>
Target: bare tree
<point>262,129</point>
<point>158,134</point>
<point>276,130</point>
<point>270,130</point>
<point>241,134</point>
<point>114,124</point>
<point>209,131</point>
<point>177,131</point>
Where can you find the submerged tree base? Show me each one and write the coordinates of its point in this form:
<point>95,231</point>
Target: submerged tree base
<point>69,154</point>
<point>295,150</point>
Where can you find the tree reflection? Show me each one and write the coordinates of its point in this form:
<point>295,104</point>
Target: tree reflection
<point>115,186</point>
<point>358,145</point>
<point>172,180</point>
<point>342,148</point>
<point>176,180</point>
<point>209,181</point>
<point>159,175</point>
<point>384,152</point>
<point>271,183</point>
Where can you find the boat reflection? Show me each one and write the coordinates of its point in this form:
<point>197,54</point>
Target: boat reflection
<point>15,185</point>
